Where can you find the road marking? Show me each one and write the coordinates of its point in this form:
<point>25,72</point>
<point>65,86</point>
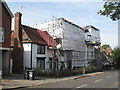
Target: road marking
<point>109,76</point>
<point>116,74</point>
<point>82,86</point>
<point>98,80</point>
<point>79,87</point>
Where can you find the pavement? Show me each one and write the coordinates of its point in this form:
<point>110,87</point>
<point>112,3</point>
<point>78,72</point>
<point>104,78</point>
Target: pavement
<point>17,81</point>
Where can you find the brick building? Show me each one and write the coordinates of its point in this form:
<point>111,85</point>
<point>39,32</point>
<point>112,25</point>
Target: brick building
<point>5,31</point>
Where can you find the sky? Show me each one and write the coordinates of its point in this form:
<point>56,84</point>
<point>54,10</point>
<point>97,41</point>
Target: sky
<point>81,13</point>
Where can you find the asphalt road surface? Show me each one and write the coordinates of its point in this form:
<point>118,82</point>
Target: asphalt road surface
<point>104,80</point>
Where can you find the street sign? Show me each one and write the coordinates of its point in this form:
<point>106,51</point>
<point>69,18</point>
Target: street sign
<point>1,34</point>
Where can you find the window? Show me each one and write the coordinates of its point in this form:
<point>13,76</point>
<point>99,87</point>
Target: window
<point>1,34</point>
<point>41,63</point>
<point>40,49</point>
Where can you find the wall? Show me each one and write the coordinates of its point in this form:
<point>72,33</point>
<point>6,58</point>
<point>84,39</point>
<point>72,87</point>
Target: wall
<point>5,62</point>
<point>27,56</point>
<point>5,22</point>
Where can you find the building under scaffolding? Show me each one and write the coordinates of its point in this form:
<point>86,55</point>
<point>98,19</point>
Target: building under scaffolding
<point>71,38</point>
<point>92,39</point>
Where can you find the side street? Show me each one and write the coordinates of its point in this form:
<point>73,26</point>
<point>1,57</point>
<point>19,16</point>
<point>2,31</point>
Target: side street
<point>51,52</point>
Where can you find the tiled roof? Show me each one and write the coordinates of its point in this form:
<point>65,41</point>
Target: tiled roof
<point>50,41</point>
<point>33,35</point>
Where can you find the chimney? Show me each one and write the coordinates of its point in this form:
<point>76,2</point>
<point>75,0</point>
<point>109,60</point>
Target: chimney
<point>17,52</point>
<point>17,27</point>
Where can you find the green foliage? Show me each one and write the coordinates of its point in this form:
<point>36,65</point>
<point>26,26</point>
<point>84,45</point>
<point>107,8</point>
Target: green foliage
<point>112,10</point>
<point>66,72</point>
<point>116,56</point>
<point>105,46</point>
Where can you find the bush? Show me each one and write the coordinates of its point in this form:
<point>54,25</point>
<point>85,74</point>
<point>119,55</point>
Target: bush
<point>65,72</point>
<point>58,73</point>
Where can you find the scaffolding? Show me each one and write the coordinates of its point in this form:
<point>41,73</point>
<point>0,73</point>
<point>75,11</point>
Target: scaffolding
<point>70,36</point>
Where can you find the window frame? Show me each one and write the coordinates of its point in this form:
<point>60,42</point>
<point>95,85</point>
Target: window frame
<point>41,63</point>
<point>40,49</point>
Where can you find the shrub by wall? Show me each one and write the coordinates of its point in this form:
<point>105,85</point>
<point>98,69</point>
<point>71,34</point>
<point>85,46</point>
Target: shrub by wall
<point>66,72</point>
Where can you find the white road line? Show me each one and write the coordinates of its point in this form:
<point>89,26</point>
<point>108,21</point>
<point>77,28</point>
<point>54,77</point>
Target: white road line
<point>116,74</point>
<point>82,86</point>
<point>109,76</point>
<point>98,80</point>
<point>79,87</point>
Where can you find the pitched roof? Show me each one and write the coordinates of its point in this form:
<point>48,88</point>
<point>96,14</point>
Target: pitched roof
<point>50,41</point>
<point>33,35</point>
<point>70,22</point>
<point>90,26</point>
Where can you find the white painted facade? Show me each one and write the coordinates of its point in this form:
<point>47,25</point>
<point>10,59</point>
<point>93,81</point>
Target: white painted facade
<point>48,54</point>
<point>27,55</point>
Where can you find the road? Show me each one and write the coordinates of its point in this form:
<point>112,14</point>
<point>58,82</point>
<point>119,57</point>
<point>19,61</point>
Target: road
<point>104,80</point>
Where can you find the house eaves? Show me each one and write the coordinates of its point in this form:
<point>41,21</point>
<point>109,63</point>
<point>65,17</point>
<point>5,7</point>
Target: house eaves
<point>8,9</point>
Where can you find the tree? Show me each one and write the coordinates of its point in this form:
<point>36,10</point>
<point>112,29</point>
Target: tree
<point>116,57</point>
<point>111,9</point>
<point>105,47</point>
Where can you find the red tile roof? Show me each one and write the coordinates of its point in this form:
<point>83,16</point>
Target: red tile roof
<point>50,41</point>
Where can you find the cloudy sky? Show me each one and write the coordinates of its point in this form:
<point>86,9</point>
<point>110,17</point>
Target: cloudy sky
<point>82,13</point>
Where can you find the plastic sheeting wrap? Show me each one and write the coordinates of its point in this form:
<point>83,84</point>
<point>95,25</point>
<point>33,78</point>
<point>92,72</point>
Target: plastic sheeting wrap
<point>94,34</point>
<point>73,37</point>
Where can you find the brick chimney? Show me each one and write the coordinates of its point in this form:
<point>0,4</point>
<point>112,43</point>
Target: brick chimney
<point>17,53</point>
<point>17,27</point>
